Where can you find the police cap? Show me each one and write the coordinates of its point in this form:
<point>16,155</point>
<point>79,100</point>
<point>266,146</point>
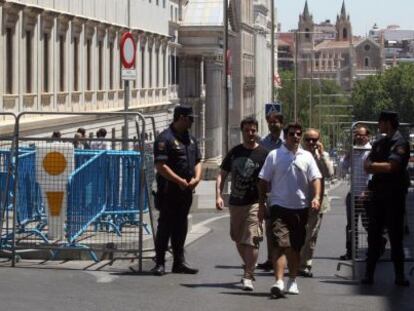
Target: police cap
<point>391,116</point>
<point>185,111</point>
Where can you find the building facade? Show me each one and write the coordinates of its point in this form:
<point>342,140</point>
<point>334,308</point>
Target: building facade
<point>65,56</point>
<point>327,51</point>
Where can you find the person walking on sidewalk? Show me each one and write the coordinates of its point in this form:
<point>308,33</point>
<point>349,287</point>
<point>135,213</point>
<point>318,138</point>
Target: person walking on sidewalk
<point>244,163</point>
<point>387,162</point>
<point>271,142</point>
<point>312,143</point>
<point>295,187</point>
<point>177,161</point>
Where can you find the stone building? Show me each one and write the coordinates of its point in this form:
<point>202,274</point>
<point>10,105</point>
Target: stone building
<point>64,56</point>
<point>201,67</point>
<point>328,52</point>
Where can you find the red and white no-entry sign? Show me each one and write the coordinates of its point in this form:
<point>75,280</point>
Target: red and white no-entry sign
<point>128,50</point>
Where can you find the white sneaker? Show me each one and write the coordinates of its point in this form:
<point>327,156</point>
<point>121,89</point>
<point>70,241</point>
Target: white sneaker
<point>277,290</point>
<point>292,287</point>
<point>247,284</point>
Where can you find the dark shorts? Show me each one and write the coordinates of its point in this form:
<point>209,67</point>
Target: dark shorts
<point>288,227</point>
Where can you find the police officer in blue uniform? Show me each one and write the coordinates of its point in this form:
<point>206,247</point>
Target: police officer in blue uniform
<point>177,161</point>
<point>387,162</point>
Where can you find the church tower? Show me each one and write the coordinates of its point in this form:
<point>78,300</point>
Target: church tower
<point>306,28</point>
<point>343,26</point>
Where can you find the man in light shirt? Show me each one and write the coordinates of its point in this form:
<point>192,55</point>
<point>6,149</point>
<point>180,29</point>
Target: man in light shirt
<point>312,143</point>
<point>295,187</point>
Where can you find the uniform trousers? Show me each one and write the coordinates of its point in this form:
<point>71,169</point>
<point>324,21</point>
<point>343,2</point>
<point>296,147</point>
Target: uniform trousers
<point>386,211</point>
<point>174,206</point>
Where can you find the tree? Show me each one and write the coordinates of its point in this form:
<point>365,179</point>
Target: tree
<point>322,116</point>
<point>391,90</point>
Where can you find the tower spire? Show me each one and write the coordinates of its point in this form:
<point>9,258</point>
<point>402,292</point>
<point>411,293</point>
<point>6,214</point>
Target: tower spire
<point>306,10</point>
<point>343,10</point>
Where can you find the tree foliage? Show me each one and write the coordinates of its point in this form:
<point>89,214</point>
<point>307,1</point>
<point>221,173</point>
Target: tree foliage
<point>391,90</point>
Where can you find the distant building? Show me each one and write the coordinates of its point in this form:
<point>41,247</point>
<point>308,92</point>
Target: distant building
<point>329,51</point>
<point>398,43</point>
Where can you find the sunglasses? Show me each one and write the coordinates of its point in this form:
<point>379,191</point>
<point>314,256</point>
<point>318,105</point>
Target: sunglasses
<point>314,140</point>
<point>298,134</point>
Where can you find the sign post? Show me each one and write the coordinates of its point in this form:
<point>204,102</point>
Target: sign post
<point>273,107</point>
<point>128,51</point>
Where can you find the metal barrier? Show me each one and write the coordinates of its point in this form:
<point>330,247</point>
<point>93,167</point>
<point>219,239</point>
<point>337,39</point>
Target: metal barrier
<point>69,199</point>
<point>358,200</point>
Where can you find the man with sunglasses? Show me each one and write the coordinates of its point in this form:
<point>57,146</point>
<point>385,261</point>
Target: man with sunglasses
<point>295,183</point>
<point>312,143</point>
<point>177,161</point>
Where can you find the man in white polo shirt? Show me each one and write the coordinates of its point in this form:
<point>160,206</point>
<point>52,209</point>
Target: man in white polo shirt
<point>295,187</point>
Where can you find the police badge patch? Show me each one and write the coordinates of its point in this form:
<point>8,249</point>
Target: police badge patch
<point>161,146</point>
<point>400,150</point>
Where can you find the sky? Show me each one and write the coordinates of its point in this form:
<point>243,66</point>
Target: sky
<point>363,13</point>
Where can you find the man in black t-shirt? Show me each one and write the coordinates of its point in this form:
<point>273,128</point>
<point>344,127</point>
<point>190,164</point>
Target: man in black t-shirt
<point>244,162</point>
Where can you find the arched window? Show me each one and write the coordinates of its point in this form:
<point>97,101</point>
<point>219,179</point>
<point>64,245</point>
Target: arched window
<point>307,35</point>
<point>366,62</point>
<point>345,33</point>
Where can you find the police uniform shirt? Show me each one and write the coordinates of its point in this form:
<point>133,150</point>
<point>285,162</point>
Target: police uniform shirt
<point>179,152</point>
<point>388,149</point>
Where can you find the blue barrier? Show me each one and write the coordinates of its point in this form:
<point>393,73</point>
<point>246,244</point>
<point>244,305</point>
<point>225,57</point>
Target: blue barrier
<point>103,192</point>
<point>86,195</point>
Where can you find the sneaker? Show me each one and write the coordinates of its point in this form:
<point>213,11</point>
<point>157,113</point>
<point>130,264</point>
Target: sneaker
<point>277,290</point>
<point>307,272</point>
<point>247,284</point>
<point>292,287</point>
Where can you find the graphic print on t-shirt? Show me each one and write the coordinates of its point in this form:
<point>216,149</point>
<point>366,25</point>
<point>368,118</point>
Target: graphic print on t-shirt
<point>244,177</point>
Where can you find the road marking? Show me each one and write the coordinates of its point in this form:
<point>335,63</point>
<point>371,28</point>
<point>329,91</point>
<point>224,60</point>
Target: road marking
<point>103,276</point>
<point>210,220</point>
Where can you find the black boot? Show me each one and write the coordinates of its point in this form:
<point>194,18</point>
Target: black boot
<point>158,270</point>
<point>183,268</point>
<point>400,279</point>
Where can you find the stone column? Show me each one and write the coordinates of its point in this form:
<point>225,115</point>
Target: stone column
<point>213,111</point>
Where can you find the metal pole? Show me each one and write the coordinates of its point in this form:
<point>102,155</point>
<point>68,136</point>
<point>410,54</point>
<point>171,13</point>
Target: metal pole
<point>310,92</point>
<point>295,117</point>
<point>126,87</point>
<point>226,89</point>
<point>272,56</point>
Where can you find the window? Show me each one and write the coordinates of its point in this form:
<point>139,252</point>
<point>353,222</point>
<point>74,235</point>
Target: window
<point>157,68</point>
<point>150,67</point>
<point>9,61</point>
<point>88,64</point>
<point>28,62</point>
<point>46,62</point>
<point>111,65</point>
<point>163,4</point>
<point>307,35</point>
<point>100,64</point>
<point>366,62</point>
<point>143,66</point>
<point>171,12</point>
<point>345,33</point>
<point>157,2</point>
<point>75,64</point>
<point>367,47</point>
<point>62,63</point>
<point>164,68</point>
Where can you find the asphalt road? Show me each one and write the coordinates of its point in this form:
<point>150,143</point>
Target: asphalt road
<point>66,286</point>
